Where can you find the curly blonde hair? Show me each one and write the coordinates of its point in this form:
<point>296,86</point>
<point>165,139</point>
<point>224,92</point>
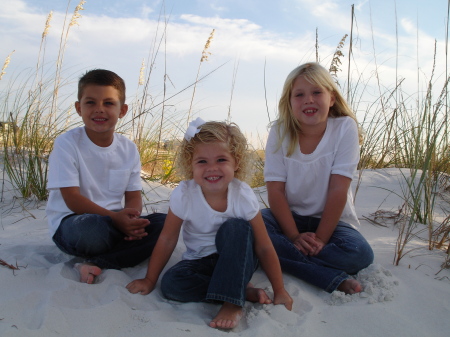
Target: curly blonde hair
<point>212,132</point>
<point>317,75</point>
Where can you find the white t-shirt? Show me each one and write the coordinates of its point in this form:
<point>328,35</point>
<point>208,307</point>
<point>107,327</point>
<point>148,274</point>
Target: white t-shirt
<point>201,222</point>
<point>103,174</point>
<point>307,175</point>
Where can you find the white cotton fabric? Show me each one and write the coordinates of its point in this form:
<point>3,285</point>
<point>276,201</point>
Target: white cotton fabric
<point>103,174</point>
<point>307,175</point>
<point>201,222</point>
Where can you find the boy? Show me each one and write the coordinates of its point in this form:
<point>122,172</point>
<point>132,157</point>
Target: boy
<point>91,170</point>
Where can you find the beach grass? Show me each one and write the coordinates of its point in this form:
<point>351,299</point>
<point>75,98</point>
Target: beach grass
<point>400,130</point>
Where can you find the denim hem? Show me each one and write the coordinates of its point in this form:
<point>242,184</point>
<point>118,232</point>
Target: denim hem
<point>102,264</point>
<point>336,282</point>
<point>222,298</point>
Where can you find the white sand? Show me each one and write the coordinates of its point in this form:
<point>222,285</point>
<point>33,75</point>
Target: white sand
<point>44,297</point>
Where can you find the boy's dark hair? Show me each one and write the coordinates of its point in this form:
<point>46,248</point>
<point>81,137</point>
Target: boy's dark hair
<point>102,77</point>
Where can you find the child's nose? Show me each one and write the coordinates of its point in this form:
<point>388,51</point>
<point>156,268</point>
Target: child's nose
<point>212,166</point>
<point>99,108</point>
<point>309,99</point>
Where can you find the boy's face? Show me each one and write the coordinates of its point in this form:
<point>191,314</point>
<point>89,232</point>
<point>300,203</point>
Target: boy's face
<point>100,108</point>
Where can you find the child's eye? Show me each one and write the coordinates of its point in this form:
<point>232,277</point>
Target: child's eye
<point>317,92</point>
<point>221,160</point>
<point>109,103</point>
<point>201,161</point>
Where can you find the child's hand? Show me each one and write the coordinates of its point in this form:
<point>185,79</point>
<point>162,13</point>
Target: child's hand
<point>282,297</point>
<point>143,286</point>
<point>128,222</point>
<point>308,243</point>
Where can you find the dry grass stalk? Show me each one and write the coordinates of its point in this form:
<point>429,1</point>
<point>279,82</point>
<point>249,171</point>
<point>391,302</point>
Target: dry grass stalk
<point>76,13</point>
<point>317,45</point>
<point>380,217</point>
<point>47,24</point>
<point>336,61</point>
<point>62,47</point>
<point>205,55</point>
<point>142,73</point>
<point>10,266</point>
<point>205,52</point>
<point>5,65</point>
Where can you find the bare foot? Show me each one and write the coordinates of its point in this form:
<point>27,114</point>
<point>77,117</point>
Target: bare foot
<point>350,286</point>
<point>88,272</point>
<point>228,316</point>
<point>256,295</point>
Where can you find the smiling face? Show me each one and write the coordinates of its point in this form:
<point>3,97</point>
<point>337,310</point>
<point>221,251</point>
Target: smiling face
<point>310,105</point>
<point>100,108</point>
<point>213,168</point>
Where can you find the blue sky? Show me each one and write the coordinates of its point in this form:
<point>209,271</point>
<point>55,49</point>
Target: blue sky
<point>252,38</point>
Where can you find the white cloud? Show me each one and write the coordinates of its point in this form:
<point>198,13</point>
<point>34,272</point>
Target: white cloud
<point>121,43</point>
<point>146,10</point>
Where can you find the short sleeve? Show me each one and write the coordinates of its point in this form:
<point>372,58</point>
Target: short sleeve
<point>178,201</point>
<point>246,205</point>
<point>135,182</point>
<point>274,166</point>
<point>63,165</point>
<point>347,150</point>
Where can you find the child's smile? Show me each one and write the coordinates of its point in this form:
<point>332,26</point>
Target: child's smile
<point>213,168</point>
<point>310,104</point>
<point>100,108</point>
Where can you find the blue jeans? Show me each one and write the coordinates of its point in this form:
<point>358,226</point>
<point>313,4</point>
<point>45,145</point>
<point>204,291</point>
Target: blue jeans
<point>347,252</point>
<point>94,238</point>
<point>218,277</point>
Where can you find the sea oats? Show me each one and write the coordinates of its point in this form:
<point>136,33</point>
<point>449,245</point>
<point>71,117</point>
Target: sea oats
<point>76,13</point>
<point>141,73</point>
<point>205,52</point>
<point>5,65</point>
<point>204,57</point>
<point>336,61</point>
<point>47,24</point>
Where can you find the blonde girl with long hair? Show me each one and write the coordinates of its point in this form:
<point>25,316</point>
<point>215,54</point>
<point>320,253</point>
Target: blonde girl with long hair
<point>311,156</point>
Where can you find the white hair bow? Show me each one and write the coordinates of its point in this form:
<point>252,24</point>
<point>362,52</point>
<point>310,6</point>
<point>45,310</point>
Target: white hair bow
<point>194,128</point>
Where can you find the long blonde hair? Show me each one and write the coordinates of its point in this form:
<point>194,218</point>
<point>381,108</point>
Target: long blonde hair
<point>316,74</point>
<point>212,132</point>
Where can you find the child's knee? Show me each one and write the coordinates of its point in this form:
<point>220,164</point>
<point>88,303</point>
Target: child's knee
<point>233,227</point>
<point>361,258</point>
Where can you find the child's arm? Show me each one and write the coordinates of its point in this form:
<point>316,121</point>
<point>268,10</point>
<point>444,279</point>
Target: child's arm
<point>133,199</point>
<point>334,205</point>
<point>269,261</point>
<point>305,242</point>
<point>280,208</point>
<point>161,254</point>
<point>126,220</point>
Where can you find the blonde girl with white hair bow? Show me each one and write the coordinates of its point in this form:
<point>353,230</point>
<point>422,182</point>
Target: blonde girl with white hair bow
<point>222,228</point>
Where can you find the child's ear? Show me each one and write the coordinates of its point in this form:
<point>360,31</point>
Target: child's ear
<point>332,99</point>
<point>78,108</point>
<point>123,110</point>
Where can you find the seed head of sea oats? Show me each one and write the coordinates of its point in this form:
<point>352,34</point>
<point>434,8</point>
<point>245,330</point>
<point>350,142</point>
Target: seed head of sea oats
<point>205,52</point>
<point>5,65</point>
<point>47,24</point>
<point>141,73</point>
<point>76,13</point>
